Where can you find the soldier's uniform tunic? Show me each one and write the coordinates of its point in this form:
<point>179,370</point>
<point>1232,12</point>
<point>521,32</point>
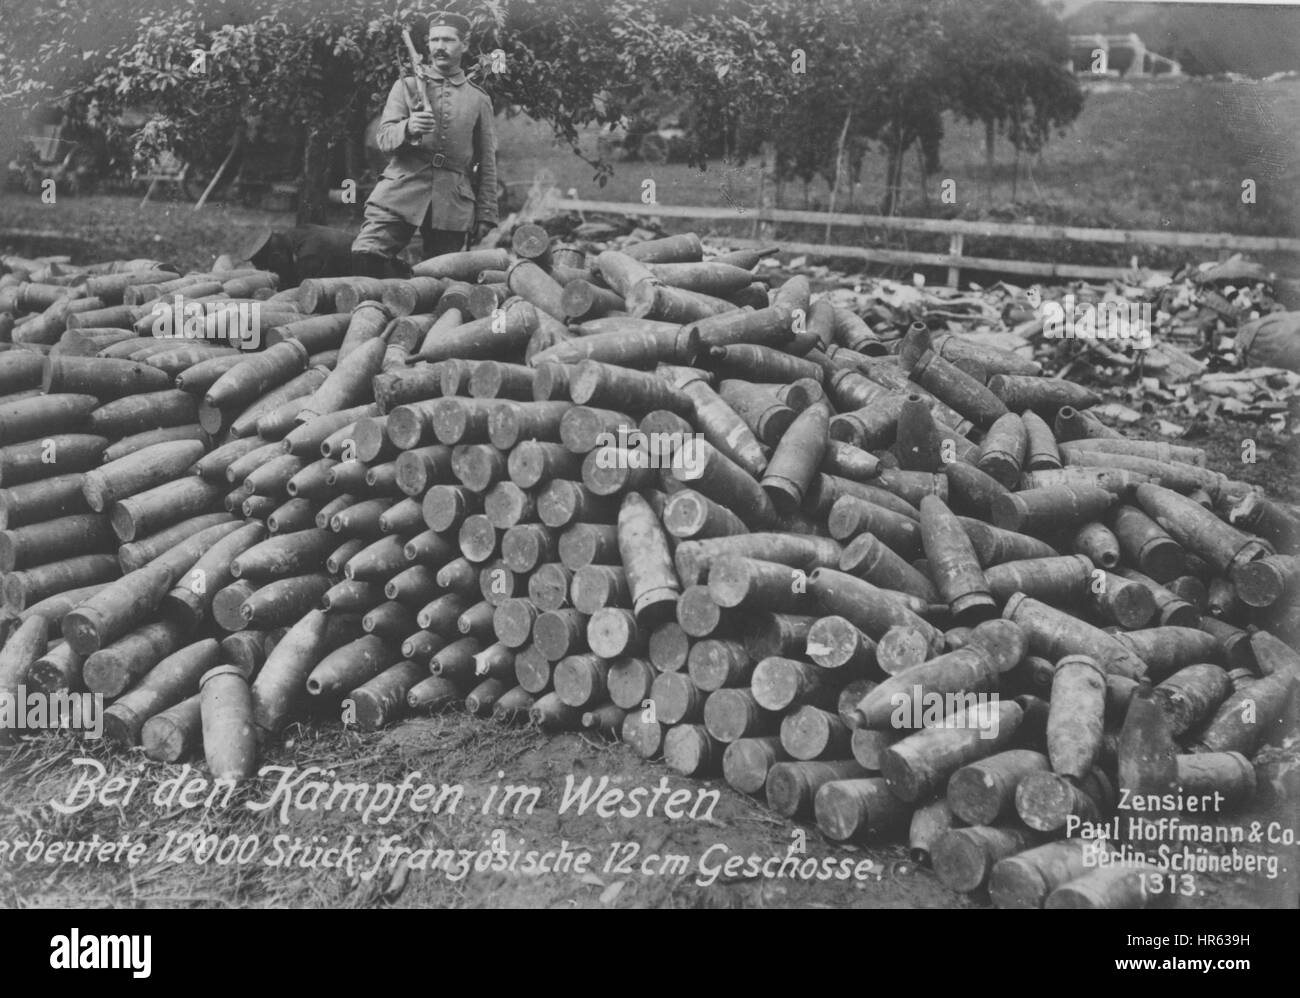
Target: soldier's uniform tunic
<point>427,183</point>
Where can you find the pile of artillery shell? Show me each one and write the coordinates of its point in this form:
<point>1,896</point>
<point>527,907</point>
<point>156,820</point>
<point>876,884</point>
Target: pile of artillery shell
<point>902,585</point>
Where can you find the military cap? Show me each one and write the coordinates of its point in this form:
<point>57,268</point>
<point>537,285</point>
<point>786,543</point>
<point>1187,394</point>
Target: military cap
<point>446,19</point>
<point>254,244</point>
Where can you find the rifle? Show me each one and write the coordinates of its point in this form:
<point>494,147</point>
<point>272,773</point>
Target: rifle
<point>415,68</point>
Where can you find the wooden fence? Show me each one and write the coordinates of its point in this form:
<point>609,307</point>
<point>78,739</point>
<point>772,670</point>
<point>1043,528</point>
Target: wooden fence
<point>957,230</point>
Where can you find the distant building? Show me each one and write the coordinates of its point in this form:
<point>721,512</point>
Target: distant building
<point>1118,55</point>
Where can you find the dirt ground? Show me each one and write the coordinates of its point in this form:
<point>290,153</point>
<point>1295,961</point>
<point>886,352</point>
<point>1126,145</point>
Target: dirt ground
<point>636,862</point>
<point>197,846</point>
<point>447,749</point>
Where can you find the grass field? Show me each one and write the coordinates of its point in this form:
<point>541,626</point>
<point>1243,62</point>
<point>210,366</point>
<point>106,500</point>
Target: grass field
<point>1154,155</point>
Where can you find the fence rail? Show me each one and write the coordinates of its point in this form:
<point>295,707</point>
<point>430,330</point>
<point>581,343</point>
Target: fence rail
<point>957,230</point>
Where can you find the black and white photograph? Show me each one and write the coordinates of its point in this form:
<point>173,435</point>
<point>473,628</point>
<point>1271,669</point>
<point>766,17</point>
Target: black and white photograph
<point>642,454</point>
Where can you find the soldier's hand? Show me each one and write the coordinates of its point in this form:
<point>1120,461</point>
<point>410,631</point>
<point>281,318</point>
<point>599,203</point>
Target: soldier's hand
<point>481,230</point>
<point>421,122</point>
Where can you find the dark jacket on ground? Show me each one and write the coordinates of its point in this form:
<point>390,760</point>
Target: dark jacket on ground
<point>306,252</point>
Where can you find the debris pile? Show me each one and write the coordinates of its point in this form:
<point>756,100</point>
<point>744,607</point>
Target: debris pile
<point>839,549</point>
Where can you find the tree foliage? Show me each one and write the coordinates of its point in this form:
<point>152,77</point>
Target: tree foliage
<point>792,75</point>
<point>891,69</point>
<point>1006,70</point>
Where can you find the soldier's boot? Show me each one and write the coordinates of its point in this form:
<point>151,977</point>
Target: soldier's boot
<point>371,265</point>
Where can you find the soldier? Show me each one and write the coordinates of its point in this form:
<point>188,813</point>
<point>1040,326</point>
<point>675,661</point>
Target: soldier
<point>427,183</point>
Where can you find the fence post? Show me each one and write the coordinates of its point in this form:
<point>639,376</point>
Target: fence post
<point>955,241</point>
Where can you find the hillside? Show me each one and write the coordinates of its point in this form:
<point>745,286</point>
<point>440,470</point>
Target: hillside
<point>1255,40</point>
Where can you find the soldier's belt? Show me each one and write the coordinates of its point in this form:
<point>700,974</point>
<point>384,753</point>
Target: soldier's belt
<point>438,162</point>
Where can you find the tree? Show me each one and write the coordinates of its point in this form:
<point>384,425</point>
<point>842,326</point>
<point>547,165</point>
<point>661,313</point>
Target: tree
<point>571,63</point>
<point>817,122</point>
<point>890,69</point>
<point>205,70</point>
<point>795,81</point>
<point>1006,64</point>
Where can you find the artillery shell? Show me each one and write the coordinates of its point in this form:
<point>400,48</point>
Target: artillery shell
<point>1061,581</point>
<point>1145,545</point>
<point>647,561</point>
<point>1054,634</point>
<point>918,764</point>
<point>779,684</point>
<point>646,737</point>
<point>1146,751</point>
<point>930,823</point>
<point>691,751</point>
<point>175,732</point>
<point>1227,774</point>
<point>1026,879</point>
<point>433,694</point>
<point>812,733</point>
<point>985,791</point>
<point>383,699</point>
<point>747,762</point>
<point>1095,541</point>
<point>1043,511</point>
<point>1041,450</point>
<point>226,708</point>
<point>1198,530</point>
<point>1191,695</point>
<point>963,858</point>
<point>835,643</point>
<point>954,564</point>
<point>1109,887</point>
<point>898,701</point>
<point>792,786</point>
<point>351,666</point>
<point>857,808</point>
<point>1002,453</point>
